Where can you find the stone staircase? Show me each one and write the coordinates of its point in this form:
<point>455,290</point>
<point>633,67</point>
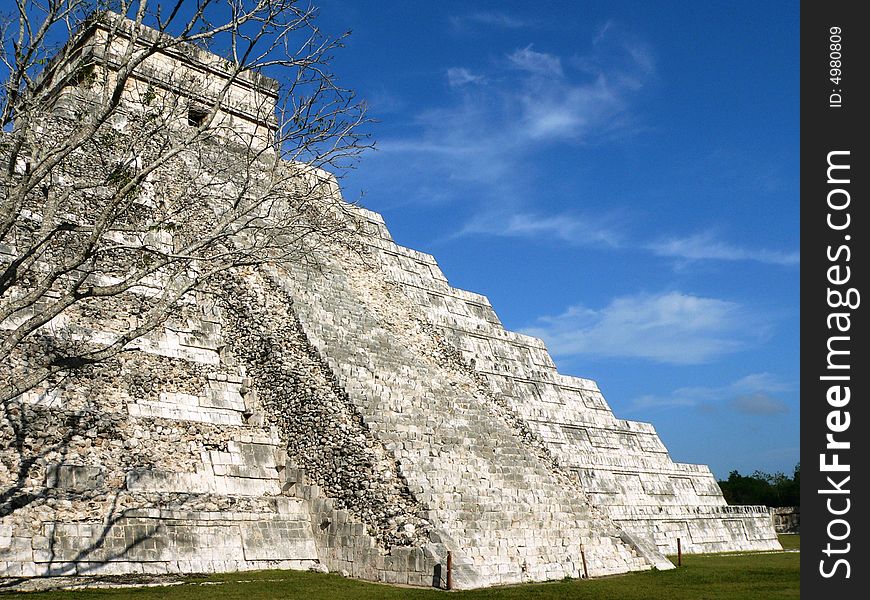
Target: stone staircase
<point>500,505</point>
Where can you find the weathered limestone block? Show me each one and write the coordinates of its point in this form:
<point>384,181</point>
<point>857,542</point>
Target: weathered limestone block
<point>75,478</point>
<point>154,542</point>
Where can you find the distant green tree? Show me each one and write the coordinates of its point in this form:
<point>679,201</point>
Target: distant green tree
<point>777,489</point>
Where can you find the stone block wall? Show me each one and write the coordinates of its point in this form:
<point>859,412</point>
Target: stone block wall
<point>177,79</point>
<point>345,546</point>
<point>146,464</point>
<point>786,519</point>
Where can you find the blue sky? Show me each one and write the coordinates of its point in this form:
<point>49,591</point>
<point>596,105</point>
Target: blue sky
<point>620,179</point>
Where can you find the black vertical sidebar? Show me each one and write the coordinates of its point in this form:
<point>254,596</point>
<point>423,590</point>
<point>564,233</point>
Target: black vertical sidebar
<point>835,363</point>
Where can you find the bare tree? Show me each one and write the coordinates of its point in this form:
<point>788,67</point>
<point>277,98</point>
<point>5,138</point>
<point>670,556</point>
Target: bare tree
<point>147,147</point>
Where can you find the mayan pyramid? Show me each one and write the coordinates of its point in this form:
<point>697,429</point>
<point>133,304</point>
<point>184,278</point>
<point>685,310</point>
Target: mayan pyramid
<point>352,411</point>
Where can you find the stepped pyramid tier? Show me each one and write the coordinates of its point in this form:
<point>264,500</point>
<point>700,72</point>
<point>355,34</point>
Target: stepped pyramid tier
<point>622,466</point>
<point>345,409</point>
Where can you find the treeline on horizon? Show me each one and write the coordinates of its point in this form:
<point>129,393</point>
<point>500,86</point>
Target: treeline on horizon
<point>773,490</point>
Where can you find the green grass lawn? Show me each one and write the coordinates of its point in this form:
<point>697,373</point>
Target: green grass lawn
<point>764,576</point>
<point>790,541</point>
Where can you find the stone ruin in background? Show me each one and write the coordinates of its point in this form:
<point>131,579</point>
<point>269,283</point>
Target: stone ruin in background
<point>355,412</point>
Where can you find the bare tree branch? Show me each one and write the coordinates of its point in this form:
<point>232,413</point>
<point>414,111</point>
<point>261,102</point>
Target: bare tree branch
<point>144,152</point>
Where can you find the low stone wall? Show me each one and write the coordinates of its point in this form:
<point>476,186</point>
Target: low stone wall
<point>702,530</point>
<point>786,519</point>
<point>163,541</point>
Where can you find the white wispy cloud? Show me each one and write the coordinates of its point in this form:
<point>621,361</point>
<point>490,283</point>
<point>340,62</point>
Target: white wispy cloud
<point>706,246</point>
<point>641,55</point>
<point>627,57</point>
<point>579,230</point>
<point>608,231</point>
<point>669,327</point>
<point>754,394</point>
<point>758,404</point>
<point>602,32</point>
<point>459,76</point>
<point>480,144</point>
<point>537,63</point>
<point>489,18</point>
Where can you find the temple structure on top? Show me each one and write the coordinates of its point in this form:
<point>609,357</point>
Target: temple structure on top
<point>184,83</point>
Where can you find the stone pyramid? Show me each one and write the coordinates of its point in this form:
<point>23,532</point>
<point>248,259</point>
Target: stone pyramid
<point>350,412</point>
